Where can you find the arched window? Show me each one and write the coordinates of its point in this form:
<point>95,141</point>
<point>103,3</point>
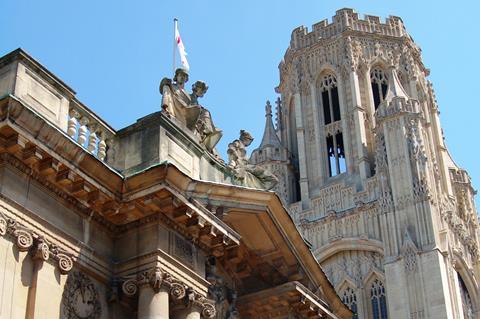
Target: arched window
<point>466,300</point>
<point>329,97</point>
<point>292,131</point>
<point>379,86</point>
<point>378,300</point>
<point>336,154</point>
<point>350,300</point>
<point>293,147</point>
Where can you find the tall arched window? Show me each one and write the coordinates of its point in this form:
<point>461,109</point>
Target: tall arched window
<point>293,147</point>
<point>378,300</point>
<point>379,86</point>
<point>292,131</point>
<point>466,300</point>
<point>350,300</point>
<point>330,101</point>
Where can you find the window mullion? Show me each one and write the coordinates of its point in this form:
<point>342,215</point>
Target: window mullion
<point>330,105</point>
<point>380,91</point>
<point>337,160</point>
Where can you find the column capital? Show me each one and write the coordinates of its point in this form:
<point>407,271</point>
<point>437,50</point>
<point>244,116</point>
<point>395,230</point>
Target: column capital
<point>160,280</point>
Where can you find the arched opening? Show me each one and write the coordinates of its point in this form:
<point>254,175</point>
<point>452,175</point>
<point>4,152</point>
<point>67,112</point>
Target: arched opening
<point>379,82</point>
<point>329,101</point>
<point>349,298</point>
<point>378,300</point>
<point>293,147</point>
<point>467,304</point>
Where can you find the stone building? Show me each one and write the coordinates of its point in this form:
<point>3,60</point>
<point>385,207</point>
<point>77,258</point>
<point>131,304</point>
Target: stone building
<point>390,215</point>
<point>144,222</point>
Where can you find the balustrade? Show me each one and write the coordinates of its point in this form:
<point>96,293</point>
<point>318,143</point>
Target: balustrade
<point>89,131</point>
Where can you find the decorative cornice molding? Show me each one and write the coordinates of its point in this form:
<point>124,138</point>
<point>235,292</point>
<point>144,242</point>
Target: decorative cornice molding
<point>28,240</point>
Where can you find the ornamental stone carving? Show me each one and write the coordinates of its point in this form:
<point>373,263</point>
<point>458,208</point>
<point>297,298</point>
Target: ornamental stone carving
<point>42,251</point>
<point>80,298</point>
<point>158,279</point>
<point>248,174</point>
<point>177,291</point>
<point>184,107</point>
<point>65,263</point>
<point>208,311</point>
<point>24,239</point>
<point>3,225</point>
<point>27,240</point>
<point>129,287</point>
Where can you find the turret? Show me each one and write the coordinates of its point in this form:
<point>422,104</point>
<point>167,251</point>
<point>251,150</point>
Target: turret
<point>273,155</point>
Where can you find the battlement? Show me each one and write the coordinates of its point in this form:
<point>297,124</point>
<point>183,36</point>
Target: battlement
<point>346,19</point>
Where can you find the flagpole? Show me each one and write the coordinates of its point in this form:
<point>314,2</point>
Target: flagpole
<point>175,21</point>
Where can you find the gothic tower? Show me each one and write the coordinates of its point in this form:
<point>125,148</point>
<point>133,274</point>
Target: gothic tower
<point>390,215</point>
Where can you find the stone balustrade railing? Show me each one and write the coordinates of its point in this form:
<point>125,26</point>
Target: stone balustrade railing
<point>88,130</point>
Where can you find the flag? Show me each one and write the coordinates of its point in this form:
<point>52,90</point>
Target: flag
<point>181,48</point>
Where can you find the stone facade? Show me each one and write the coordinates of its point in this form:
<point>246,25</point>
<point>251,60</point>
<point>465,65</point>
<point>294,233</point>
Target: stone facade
<point>390,216</point>
<point>144,222</point>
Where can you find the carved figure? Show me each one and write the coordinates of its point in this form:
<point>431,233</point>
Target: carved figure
<point>177,102</point>
<point>209,135</point>
<point>156,279</point>
<point>250,175</point>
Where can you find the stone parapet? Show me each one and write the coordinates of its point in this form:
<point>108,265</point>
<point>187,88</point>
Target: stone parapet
<point>346,19</point>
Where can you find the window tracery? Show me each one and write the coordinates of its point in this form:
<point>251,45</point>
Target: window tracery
<point>378,300</point>
<point>379,82</point>
<point>330,101</point>
<point>349,298</point>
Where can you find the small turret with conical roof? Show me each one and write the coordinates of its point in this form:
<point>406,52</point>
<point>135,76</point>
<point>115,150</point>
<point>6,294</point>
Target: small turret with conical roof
<point>273,155</point>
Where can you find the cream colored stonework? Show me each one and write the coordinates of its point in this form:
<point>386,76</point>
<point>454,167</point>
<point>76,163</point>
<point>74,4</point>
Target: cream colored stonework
<point>144,222</point>
<point>399,211</point>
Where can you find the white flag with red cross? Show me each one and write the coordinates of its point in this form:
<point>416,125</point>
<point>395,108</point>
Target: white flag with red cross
<point>181,48</point>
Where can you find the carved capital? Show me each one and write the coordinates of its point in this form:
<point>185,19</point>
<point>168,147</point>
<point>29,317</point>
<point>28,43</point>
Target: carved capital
<point>130,287</point>
<point>3,225</point>
<point>208,310</point>
<point>42,250</point>
<point>27,240</point>
<point>65,263</point>
<point>24,239</point>
<point>156,278</point>
<point>177,290</point>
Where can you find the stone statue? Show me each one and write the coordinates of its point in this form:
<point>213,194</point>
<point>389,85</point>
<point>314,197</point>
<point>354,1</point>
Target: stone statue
<point>209,135</point>
<point>177,102</point>
<point>251,175</point>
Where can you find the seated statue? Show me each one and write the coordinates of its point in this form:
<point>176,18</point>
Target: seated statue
<point>251,175</point>
<point>177,102</point>
<point>209,135</point>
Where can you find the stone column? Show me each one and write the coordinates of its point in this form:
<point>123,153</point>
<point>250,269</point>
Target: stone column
<point>153,304</point>
<point>156,289</point>
<point>319,135</point>
<point>193,311</point>
<point>39,255</point>
<point>153,297</point>
<point>360,134</point>
<point>305,195</point>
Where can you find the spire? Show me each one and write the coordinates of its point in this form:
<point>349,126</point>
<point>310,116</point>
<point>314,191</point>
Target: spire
<point>395,89</point>
<point>269,135</point>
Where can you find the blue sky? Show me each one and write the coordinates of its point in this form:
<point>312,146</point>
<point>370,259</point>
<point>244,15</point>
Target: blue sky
<point>114,54</point>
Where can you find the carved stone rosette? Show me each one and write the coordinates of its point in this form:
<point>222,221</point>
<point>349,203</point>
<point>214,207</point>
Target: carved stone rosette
<point>178,291</point>
<point>27,240</point>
